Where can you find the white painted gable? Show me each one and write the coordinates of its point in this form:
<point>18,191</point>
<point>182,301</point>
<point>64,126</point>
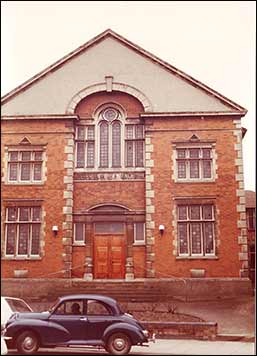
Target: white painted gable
<point>166,91</point>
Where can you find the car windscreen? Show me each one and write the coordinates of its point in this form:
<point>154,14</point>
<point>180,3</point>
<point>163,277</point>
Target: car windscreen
<point>18,305</point>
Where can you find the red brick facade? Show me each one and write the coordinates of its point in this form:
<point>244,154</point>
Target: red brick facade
<point>152,194</point>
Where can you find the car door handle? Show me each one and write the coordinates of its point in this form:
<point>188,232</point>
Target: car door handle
<point>83,319</point>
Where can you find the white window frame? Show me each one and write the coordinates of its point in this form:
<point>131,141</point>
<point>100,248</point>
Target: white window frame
<point>18,223</point>
<point>96,122</point>
<point>187,160</point>
<point>188,222</point>
<point>19,163</point>
<point>139,242</point>
<point>79,242</point>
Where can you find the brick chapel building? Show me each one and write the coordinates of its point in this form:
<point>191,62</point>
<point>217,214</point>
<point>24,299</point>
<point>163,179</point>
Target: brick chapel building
<point>117,165</point>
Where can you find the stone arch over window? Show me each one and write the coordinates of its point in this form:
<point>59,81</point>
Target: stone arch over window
<point>148,107</point>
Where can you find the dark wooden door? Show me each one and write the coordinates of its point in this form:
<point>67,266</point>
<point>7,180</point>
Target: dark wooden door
<point>109,257</point>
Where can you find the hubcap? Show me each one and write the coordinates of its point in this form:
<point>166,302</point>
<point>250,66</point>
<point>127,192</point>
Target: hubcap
<point>119,344</point>
<point>28,343</point>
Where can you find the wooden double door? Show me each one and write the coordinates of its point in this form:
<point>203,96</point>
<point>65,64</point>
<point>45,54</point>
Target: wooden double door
<point>109,256</point>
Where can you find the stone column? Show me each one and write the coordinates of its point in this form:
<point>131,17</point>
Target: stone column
<point>150,208</point>
<point>129,258</point>
<point>240,193</point>
<point>88,275</point>
<point>68,205</point>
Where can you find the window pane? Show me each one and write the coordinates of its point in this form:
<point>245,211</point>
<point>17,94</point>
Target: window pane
<point>104,145</point>
<point>129,132</point>
<point>181,153</point>
<point>194,169</point>
<point>182,235</point>
<point>26,156</point>
<point>90,154</point>
<point>129,154</point>
<point>13,171</point>
<point>139,154</point>
<point>24,214</point>
<point>38,156</point>
<point>195,230</point>
<point>80,154</point>
<point>182,213</point>
<point>96,308</point>
<point>194,153</point>
<point>206,169</point>
<point>37,171</point>
<point>207,212</point>
<point>139,131</point>
<point>206,153</point>
<point>11,214</point>
<point>139,232</point>
<point>36,214</point>
<point>80,133</point>
<point>23,239</point>
<point>116,145</point>
<point>194,212</point>
<point>35,243</point>
<point>90,133</point>
<point>107,228</point>
<point>181,169</point>
<point>208,237</point>
<point>25,171</point>
<point>10,239</point>
<point>13,156</point>
<point>79,232</point>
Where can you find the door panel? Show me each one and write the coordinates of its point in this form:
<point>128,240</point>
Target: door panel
<point>109,256</point>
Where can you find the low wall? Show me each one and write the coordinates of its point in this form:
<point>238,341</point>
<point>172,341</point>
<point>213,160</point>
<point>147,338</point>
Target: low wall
<point>195,330</point>
<point>162,289</point>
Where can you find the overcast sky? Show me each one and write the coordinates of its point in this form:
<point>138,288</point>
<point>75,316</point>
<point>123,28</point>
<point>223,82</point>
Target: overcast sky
<point>212,41</point>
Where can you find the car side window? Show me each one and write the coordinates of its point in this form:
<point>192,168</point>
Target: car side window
<point>71,307</point>
<point>97,308</point>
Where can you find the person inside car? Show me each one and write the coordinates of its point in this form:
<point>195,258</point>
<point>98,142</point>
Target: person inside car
<point>75,309</point>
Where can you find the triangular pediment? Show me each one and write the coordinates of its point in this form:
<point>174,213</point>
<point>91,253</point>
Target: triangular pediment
<point>110,55</point>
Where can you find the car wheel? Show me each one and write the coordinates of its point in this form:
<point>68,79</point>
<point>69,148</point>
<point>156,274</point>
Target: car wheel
<point>27,343</point>
<point>118,344</point>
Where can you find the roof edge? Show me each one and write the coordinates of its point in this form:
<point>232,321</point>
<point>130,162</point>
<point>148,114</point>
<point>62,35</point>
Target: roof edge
<point>139,49</point>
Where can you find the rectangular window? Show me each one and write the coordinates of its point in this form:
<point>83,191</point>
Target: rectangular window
<point>196,230</point>
<point>25,166</point>
<point>79,234</point>
<point>194,164</point>
<point>109,228</point>
<point>139,233</point>
<point>134,146</point>
<point>22,231</point>
<point>85,146</point>
<point>250,213</point>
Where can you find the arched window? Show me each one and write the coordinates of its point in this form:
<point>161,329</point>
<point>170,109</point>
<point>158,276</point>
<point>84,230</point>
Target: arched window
<point>111,142</point>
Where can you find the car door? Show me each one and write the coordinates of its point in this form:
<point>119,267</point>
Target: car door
<point>75,323</point>
<point>99,316</point>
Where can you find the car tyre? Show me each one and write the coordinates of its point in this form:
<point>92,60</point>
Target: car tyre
<point>27,343</point>
<point>118,344</point>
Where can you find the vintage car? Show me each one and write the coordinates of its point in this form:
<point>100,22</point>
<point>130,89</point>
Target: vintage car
<point>77,320</point>
<point>10,305</point>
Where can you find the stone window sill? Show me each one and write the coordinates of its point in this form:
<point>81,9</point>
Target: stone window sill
<point>197,258</point>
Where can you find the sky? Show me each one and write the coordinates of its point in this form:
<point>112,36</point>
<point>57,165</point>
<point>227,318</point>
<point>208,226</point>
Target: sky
<point>212,41</point>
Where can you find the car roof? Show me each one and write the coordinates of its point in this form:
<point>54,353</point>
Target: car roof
<point>99,297</point>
